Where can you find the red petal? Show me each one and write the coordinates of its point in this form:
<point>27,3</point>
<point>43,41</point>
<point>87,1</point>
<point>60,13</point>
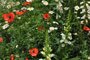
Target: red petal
<point>86,28</point>
<point>46,16</point>
<point>33,52</point>
<point>9,17</point>
<point>1,39</point>
<point>12,57</point>
<point>5,17</point>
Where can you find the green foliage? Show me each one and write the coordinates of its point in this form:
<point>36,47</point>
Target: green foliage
<point>67,42</point>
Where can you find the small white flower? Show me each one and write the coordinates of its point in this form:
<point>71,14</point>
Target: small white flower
<point>51,12</point>
<point>29,0</point>
<point>83,17</point>
<point>69,34</point>
<point>55,28</point>
<point>88,58</point>
<point>63,45</point>
<point>51,28</point>
<point>18,3</point>
<point>83,11</point>
<point>54,22</point>
<point>49,31</point>
<point>16,46</point>
<point>5,26</point>
<point>60,4</point>
<point>75,12</point>
<point>52,55</point>
<point>56,0</point>
<point>66,8</point>
<point>75,34</point>
<point>45,2</point>
<point>81,2</point>
<point>17,56</point>
<point>42,52</point>
<point>59,7</point>
<point>69,42</point>
<point>78,17</point>
<point>61,41</point>
<point>48,23</point>
<point>87,5</point>
<point>88,2</point>
<point>63,36</point>
<point>76,7</point>
<point>6,22</point>
<point>88,11</point>
<point>70,37</point>
<point>30,8</point>
<point>8,6</point>
<point>41,59</point>
<point>81,7</point>
<point>14,10</point>
<point>88,16</point>
<point>23,8</point>
<point>18,17</point>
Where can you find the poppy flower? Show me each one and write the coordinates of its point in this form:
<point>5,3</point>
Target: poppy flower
<point>46,16</point>
<point>85,28</point>
<point>12,57</point>
<point>21,12</point>
<point>26,3</point>
<point>1,39</point>
<point>9,17</point>
<point>33,52</point>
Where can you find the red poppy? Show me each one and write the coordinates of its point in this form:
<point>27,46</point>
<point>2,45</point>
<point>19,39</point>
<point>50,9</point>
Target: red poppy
<point>9,17</point>
<point>26,3</point>
<point>33,52</point>
<point>46,16</point>
<point>85,28</point>
<point>12,57</point>
<point>21,12</point>
<point>26,58</point>
<point>1,39</point>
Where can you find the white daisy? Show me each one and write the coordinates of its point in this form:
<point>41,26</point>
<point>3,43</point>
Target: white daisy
<point>51,28</point>
<point>5,26</point>
<point>51,12</point>
<point>29,0</point>
<point>76,7</point>
<point>45,2</point>
<point>30,8</point>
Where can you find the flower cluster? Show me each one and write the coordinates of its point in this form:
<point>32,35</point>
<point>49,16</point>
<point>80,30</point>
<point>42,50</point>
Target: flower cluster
<point>85,10</point>
<point>66,39</point>
<point>11,16</point>
<point>43,29</point>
